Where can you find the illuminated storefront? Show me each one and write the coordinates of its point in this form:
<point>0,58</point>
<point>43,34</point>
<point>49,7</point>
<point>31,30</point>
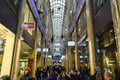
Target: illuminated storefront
<point>106,50</point>
<point>6,49</point>
<point>26,50</point>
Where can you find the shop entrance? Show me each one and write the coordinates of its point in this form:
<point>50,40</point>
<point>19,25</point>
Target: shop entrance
<point>24,58</point>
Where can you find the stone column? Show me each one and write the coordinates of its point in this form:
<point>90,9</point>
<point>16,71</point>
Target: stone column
<point>70,58</point>
<point>16,55</point>
<point>35,51</point>
<point>77,59</point>
<point>66,59</point>
<point>38,63</point>
<point>42,60</point>
<point>42,53</point>
<point>90,35</point>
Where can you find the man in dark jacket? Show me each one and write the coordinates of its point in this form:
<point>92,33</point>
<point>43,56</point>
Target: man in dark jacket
<point>38,73</point>
<point>44,74</point>
<point>27,75</point>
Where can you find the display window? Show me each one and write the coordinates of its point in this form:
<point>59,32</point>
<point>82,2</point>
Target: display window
<point>26,51</point>
<point>6,49</point>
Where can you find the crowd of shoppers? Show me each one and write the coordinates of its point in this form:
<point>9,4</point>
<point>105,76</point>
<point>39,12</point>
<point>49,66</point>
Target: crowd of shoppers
<point>59,73</point>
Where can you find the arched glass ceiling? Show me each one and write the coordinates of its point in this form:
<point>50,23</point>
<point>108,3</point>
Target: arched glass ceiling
<point>57,9</point>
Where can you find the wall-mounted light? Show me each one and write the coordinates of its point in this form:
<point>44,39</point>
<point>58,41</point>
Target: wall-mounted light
<point>71,11</point>
<point>38,49</point>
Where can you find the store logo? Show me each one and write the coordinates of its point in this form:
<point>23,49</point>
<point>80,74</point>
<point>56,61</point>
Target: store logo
<point>28,25</point>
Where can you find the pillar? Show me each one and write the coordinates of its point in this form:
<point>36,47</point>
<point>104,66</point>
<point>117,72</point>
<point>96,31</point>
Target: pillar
<point>63,63</point>
<point>77,58</point>
<point>46,57</point>
<point>38,63</point>
<point>68,62</point>
<point>42,53</point>
<point>90,35</point>
<point>70,58</point>
<point>66,59</point>
<point>33,54</point>
<point>40,59</point>
<point>72,55</point>
<point>71,61</point>
<point>16,55</point>
<point>49,61</point>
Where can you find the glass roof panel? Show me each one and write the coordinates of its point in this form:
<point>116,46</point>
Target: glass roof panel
<point>58,13</point>
<point>58,17</point>
<point>57,0</point>
<point>60,4</point>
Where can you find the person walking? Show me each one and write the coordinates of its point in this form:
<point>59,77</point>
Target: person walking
<point>63,76</point>
<point>108,76</point>
<point>27,75</point>
<point>52,76</point>
<point>44,74</point>
<point>38,73</point>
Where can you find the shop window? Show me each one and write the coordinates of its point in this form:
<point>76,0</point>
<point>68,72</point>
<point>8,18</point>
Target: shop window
<point>2,42</point>
<point>108,38</point>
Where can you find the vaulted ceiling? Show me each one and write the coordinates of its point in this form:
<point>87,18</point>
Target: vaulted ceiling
<point>57,17</point>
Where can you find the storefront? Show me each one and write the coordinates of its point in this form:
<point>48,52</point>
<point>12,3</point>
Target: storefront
<point>6,49</point>
<point>106,50</point>
<point>27,53</point>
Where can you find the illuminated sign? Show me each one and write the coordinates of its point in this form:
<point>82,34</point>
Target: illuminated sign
<point>71,43</point>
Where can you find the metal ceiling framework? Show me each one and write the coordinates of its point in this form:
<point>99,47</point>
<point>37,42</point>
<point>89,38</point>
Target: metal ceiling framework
<point>76,14</point>
<point>35,12</point>
<point>57,9</point>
